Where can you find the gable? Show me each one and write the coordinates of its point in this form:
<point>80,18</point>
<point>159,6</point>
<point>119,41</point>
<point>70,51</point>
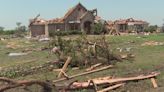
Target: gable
<point>75,13</point>
<point>88,16</point>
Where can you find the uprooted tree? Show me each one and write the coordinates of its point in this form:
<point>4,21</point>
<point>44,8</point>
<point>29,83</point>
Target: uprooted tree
<point>83,51</point>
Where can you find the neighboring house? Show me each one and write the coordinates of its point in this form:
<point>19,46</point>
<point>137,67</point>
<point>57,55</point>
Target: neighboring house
<point>128,25</point>
<point>77,18</point>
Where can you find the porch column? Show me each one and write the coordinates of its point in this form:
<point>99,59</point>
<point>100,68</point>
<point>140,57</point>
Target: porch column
<point>82,27</point>
<point>46,30</point>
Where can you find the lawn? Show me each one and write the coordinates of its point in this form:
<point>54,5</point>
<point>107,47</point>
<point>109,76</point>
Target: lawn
<point>147,59</point>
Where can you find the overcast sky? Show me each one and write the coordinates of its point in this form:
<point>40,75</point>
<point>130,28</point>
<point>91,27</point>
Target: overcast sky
<point>13,11</point>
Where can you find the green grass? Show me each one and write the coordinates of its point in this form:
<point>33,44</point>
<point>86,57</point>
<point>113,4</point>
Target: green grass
<point>147,59</point>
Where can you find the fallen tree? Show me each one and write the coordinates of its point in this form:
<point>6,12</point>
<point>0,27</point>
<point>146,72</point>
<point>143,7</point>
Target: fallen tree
<point>47,86</point>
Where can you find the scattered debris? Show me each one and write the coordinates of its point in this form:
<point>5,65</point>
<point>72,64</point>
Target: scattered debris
<point>128,49</point>
<point>110,81</point>
<point>85,73</point>
<point>127,56</point>
<point>154,82</point>
<point>112,87</point>
<point>44,39</point>
<point>2,39</point>
<point>152,43</point>
<point>13,45</point>
<point>17,54</point>
<point>93,67</point>
<point>64,67</point>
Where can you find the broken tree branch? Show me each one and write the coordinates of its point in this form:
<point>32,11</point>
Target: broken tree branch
<point>46,86</point>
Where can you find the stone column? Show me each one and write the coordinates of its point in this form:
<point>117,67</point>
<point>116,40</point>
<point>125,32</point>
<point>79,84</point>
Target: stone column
<point>82,27</point>
<point>46,30</point>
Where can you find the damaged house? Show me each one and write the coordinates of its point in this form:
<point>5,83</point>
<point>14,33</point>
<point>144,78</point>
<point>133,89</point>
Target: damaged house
<point>128,25</point>
<point>77,18</point>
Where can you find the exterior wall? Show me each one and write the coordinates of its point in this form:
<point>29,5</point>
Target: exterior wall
<point>122,27</point>
<point>87,18</point>
<point>74,26</point>
<point>133,28</point>
<point>78,12</point>
<point>37,30</point>
<point>74,16</point>
<point>55,27</point>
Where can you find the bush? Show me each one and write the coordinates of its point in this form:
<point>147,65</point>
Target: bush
<point>151,29</point>
<point>7,32</point>
<point>63,33</point>
<point>98,28</point>
<point>82,52</point>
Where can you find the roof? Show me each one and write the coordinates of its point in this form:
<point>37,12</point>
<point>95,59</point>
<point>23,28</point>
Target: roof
<point>60,20</point>
<point>56,20</point>
<point>39,21</point>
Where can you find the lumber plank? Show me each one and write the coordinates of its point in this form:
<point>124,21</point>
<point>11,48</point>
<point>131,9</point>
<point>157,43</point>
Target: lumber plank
<point>85,73</point>
<point>64,67</point>
<point>111,87</point>
<point>93,67</point>
<point>154,82</point>
<point>112,81</point>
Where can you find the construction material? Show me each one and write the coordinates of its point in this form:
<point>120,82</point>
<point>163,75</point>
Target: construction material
<point>85,73</point>
<point>64,67</point>
<point>100,81</point>
<point>111,87</point>
<point>17,54</point>
<point>154,82</point>
<point>93,83</point>
<point>93,67</point>
<point>152,43</point>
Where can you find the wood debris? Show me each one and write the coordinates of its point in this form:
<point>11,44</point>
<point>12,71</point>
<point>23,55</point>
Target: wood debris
<point>93,67</point>
<point>115,82</point>
<point>152,43</point>
<point>64,67</point>
<point>110,83</point>
<point>111,87</point>
<point>85,73</point>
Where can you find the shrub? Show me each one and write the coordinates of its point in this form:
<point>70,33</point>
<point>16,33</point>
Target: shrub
<point>151,29</point>
<point>82,52</point>
<point>7,32</point>
<point>98,28</point>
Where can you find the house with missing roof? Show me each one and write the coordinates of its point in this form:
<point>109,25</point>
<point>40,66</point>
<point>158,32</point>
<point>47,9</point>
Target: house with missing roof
<point>77,18</point>
<point>128,25</point>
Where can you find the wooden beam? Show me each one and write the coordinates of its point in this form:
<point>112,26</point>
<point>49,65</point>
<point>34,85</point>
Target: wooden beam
<point>64,67</point>
<point>93,67</point>
<point>78,85</point>
<point>154,82</point>
<point>85,73</point>
<point>111,87</point>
